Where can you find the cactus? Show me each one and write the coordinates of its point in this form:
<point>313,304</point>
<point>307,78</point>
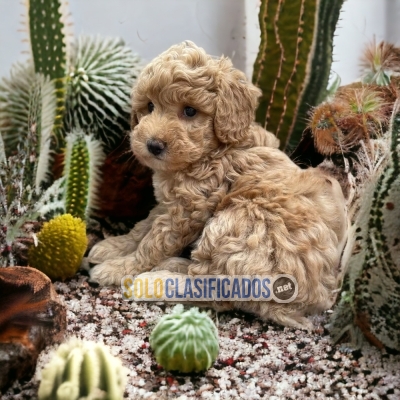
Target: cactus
<point>370,301</point>
<point>34,125</point>
<point>48,44</point>
<point>61,244</point>
<point>355,113</point>
<point>293,64</point>
<point>100,79</point>
<point>83,159</point>
<point>380,62</point>
<point>358,133</point>
<point>185,341</point>
<point>82,370</point>
<point>14,104</point>
<point>18,194</point>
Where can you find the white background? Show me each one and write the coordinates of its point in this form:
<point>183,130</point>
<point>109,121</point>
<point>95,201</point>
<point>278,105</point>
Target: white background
<point>227,27</point>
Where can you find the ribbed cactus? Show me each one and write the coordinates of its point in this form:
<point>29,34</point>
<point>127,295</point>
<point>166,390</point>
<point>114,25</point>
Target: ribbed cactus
<point>60,247</point>
<point>82,370</point>
<point>370,301</point>
<point>186,341</point>
<point>100,79</point>
<point>83,159</point>
<point>293,64</point>
<point>357,131</point>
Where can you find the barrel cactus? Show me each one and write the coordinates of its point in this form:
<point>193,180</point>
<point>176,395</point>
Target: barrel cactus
<point>83,370</point>
<point>61,245</point>
<point>186,341</point>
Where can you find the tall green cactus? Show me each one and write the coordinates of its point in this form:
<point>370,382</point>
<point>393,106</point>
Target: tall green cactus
<point>83,159</point>
<point>48,44</point>
<point>370,301</point>
<point>358,132</point>
<point>293,64</point>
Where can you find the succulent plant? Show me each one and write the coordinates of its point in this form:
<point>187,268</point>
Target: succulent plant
<point>83,370</point>
<point>100,79</point>
<point>36,126</point>
<point>186,341</point>
<point>47,33</point>
<point>354,113</point>
<point>83,160</point>
<point>19,188</point>
<point>60,247</point>
<point>293,63</point>
<point>380,62</point>
<point>14,104</point>
<point>369,305</point>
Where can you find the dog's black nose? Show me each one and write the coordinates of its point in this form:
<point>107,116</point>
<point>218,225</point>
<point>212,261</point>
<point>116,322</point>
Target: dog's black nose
<point>156,147</point>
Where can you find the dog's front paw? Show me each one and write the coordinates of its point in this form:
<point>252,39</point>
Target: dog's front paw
<point>111,272</point>
<point>108,249</point>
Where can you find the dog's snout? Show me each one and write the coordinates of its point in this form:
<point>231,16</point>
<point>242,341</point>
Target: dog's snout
<point>156,147</point>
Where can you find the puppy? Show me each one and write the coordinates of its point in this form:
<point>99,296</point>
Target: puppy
<point>223,187</point>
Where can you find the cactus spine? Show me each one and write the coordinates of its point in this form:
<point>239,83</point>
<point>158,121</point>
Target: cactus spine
<point>83,370</point>
<point>293,64</point>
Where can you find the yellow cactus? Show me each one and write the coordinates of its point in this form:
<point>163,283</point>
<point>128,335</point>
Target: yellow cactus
<point>61,245</point>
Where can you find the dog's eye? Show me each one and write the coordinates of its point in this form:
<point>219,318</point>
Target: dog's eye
<point>150,107</point>
<point>189,112</point>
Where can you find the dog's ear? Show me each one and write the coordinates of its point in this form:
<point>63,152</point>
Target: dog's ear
<point>134,119</point>
<point>235,105</point>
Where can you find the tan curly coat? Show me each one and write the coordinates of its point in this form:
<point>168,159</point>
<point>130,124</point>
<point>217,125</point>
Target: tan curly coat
<point>222,184</point>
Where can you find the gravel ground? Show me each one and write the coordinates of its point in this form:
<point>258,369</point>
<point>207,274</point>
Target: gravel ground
<point>257,360</point>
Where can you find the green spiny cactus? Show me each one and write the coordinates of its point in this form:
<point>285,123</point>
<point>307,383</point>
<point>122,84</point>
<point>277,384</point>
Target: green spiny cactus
<point>61,244</point>
<point>83,159</point>
<point>185,341</point>
<point>101,76</point>
<point>293,64</point>
<point>14,104</point>
<point>32,117</point>
<point>83,370</point>
<point>28,101</point>
<point>48,44</point>
<point>370,301</point>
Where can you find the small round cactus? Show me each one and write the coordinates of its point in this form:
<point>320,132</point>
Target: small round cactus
<point>61,245</point>
<point>186,341</point>
<point>83,370</point>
